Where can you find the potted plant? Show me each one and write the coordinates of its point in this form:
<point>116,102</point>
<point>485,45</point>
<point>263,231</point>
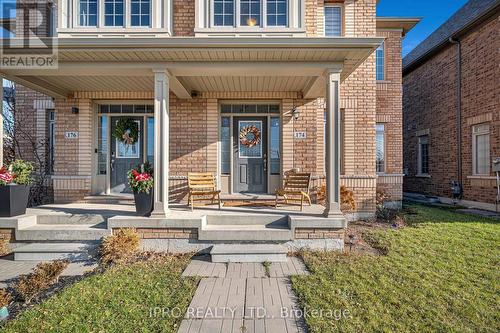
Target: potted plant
<point>140,180</point>
<point>15,188</point>
<point>5,299</point>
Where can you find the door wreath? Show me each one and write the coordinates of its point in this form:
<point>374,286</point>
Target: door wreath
<point>126,130</point>
<point>250,136</point>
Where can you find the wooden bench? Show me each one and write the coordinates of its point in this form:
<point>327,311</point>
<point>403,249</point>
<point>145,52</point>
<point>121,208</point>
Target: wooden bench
<point>202,184</point>
<point>296,189</point>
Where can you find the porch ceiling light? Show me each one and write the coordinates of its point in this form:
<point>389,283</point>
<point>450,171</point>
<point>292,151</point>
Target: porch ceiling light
<point>295,113</point>
<point>251,22</point>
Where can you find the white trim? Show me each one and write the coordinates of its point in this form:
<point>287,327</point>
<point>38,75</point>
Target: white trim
<point>342,19</point>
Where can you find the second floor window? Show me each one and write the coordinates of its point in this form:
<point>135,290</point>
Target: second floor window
<point>140,13</point>
<point>113,13</point>
<point>252,13</point>
<point>380,62</point>
<point>88,13</point>
<point>333,21</point>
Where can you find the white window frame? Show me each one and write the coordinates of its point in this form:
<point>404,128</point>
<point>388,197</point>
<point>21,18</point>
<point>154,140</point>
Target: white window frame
<point>419,155</point>
<point>477,130</point>
<point>385,144</point>
<point>342,23</point>
<point>127,16</point>
<point>237,17</point>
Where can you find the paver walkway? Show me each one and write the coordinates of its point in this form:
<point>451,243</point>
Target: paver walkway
<point>10,269</point>
<point>240,297</point>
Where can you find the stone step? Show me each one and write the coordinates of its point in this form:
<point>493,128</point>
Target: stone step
<point>75,251</point>
<point>271,220</point>
<point>72,219</point>
<point>62,232</point>
<point>108,199</point>
<point>244,233</point>
<point>248,253</point>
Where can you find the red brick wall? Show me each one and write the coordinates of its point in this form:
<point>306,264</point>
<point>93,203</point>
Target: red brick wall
<point>184,13</point>
<point>430,102</point>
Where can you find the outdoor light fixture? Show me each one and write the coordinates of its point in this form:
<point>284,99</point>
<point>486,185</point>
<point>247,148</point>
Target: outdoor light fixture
<point>251,22</point>
<point>295,113</point>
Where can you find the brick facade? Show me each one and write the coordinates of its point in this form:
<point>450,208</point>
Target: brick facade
<point>194,123</point>
<point>430,104</point>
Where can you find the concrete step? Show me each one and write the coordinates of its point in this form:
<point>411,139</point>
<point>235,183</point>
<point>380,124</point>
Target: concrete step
<point>108,199</point>
<point>247,232</point>
<point>248,253</point>
<point>71,219</point>
<point>271,220</point>
<point>75,251</point>
<point>62,232</point>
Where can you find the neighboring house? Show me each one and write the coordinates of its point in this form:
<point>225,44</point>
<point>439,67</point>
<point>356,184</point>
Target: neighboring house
<point>451,107</point>
<point>303,72</point>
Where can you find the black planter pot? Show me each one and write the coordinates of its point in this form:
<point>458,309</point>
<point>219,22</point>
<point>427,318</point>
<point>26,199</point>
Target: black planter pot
<point>143,203</point>
<point>14,200</point>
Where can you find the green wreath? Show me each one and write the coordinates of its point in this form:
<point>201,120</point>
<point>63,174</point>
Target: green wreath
<point>126,130</point>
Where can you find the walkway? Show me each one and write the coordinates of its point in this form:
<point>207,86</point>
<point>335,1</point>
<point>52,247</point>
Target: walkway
<point>243,297</point>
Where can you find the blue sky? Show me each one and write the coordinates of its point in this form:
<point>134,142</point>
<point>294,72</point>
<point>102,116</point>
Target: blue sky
<point>433,13</point>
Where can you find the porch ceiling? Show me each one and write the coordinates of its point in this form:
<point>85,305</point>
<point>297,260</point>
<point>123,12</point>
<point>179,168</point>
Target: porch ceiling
<point>201,64</point>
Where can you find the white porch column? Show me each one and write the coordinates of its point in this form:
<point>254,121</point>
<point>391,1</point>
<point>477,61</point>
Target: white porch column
<point>161,142</point>
<point>332,165</point>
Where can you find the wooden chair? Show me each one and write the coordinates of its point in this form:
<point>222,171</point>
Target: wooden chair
<point>202,184</point>
<point>296,189</point>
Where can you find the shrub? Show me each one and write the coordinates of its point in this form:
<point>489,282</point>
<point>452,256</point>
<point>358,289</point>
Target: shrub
<point>347,202</point>
<point>120,247</point>
<point>44,274</point>
<point>22,171</point>
<point>5,298</point>
<point>4,247</point>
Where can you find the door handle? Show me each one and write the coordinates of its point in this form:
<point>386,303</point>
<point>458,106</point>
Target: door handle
<point>265,162</point>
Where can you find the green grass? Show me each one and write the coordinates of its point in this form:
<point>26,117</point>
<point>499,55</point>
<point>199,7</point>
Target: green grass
<point>441,274</point>
<point>118,300</point>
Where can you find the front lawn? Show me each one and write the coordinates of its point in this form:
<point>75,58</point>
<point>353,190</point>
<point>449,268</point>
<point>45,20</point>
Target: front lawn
<point>131,298</point>
<point>440,274</point>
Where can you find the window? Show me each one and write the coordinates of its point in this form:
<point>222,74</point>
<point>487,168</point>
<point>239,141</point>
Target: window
<point>113,13</point>
<point>380,62</point>
<point>139,13</point>
<point>150,140</point>
<point>52,140</point>
<point>277,13</point>
<point>481,149</point>
<point>225,139</point>
<point>102,145</point>
<point>423,155</point>
<point>88,13</point>
<point>274,146</point>
<point>333,21</point>
<point>224,13</point>
<point>380,145</point>
<point>250,13</point>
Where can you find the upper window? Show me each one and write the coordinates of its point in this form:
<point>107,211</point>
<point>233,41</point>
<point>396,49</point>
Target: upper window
<point>380,62</point>
<point>252,13</point>
<point>140,11</point>
<point>113,13</point>
<point>481,149</point>
<point>423,155</point>
<point>224,12</point>
<point>88,13</point>
<point>380,144</point>
<point>277,13</point>
<point>333,21</point>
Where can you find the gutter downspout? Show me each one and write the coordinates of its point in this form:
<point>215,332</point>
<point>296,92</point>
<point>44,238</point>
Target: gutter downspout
<point>459,110</point>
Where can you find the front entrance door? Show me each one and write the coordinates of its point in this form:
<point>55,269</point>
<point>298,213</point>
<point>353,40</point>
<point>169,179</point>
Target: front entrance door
<point>250,154</point>
<point>124,157</point>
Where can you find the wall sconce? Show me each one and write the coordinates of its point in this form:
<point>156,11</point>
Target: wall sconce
<point>75,110</point>
<point>295,113</point>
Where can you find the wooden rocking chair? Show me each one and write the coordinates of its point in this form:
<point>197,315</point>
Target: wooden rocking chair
<point>296,189</point>
<point>202,184</point>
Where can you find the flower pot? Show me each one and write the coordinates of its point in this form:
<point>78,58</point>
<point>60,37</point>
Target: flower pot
<point>14,199</point>
<point>143,203</point>
<point>4,313</point>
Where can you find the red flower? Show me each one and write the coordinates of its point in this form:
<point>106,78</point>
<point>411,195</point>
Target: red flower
<point>6,177</point>
<point>140,177</point>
